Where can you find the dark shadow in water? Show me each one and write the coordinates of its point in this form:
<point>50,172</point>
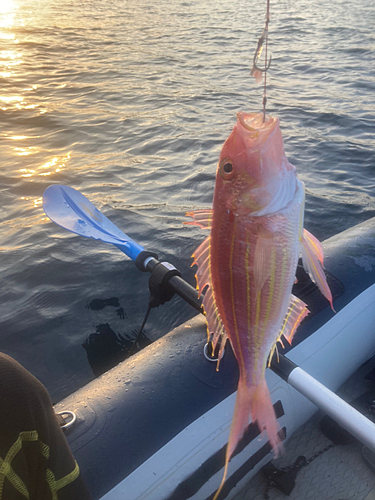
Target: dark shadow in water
<point>105,348</point>
<point>99,304</point>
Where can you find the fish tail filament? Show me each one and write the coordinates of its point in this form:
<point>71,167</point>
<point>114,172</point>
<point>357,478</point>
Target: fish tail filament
<point>263,412</point>
<point>254,401</point>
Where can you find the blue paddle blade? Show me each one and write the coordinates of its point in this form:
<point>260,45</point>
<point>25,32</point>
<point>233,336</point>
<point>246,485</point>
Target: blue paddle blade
<point>73,211</point>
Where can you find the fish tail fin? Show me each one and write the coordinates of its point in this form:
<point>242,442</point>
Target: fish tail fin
<point>254,401</point>
<point>242,411</point>
<point>263,412</point>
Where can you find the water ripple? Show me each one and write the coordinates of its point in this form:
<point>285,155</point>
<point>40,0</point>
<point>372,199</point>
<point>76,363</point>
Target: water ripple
<point>130,103</point>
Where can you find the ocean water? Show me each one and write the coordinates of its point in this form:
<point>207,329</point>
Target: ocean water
<point>130,102</point>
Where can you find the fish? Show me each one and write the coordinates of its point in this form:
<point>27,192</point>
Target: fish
<point>247,264</point>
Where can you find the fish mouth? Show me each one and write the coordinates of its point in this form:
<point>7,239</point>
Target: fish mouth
<point>253,122</point>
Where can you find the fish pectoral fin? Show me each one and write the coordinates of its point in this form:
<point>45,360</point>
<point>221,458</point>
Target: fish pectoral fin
<point>314,244</point>
<point>312,258</point>
<point>215,327</point>
<point>201,218</point>
<point>297,310</point>
<point>262,259</point>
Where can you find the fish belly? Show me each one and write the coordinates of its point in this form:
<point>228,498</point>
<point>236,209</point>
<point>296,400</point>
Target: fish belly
<point>253,264</point>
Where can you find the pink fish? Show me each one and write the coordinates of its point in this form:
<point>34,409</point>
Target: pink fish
<point>247,265</point>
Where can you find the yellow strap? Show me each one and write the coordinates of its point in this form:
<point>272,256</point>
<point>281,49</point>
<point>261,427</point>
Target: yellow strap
<point>60,483</point>
<point>6,470</point>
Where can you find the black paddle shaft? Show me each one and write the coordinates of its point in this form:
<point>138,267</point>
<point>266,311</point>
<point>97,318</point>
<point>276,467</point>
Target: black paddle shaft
<point>164,276</point>
<point>168,277</point>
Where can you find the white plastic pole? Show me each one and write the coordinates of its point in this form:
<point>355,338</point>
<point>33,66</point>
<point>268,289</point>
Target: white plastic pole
<point>345,415</point>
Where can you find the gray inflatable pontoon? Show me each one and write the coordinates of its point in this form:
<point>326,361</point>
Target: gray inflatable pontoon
<point>155,427</point>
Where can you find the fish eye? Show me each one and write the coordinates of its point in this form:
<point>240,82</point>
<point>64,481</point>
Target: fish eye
<point>226,169</point>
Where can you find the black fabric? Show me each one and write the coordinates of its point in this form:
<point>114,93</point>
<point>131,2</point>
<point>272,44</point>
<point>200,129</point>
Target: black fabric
<point>26,410</point>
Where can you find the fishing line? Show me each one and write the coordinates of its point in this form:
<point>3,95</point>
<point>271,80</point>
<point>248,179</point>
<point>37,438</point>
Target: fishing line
<point>265,62</point>
<point>256,71</point>
<point>140,330</point>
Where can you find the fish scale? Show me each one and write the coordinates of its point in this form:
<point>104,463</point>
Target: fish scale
<point>254,314</point>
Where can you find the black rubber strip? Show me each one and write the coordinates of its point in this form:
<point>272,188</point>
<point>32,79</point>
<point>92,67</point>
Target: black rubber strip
<point>190,486</point>
<point>283,366</point>
<point>245,468</point>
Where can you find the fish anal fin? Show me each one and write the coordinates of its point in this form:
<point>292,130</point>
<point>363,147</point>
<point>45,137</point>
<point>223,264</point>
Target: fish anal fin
<point>312,258</point>
<point>201,218</point>
<point>224,339</point>
<point>215,327</point>
<point>273,351</point>
<point>296,311</point>
<point>254,401</point>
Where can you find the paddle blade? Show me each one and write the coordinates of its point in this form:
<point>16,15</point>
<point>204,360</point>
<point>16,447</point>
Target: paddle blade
<point>68,208</point>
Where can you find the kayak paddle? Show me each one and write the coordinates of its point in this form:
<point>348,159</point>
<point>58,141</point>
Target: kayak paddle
<point>71,210</point>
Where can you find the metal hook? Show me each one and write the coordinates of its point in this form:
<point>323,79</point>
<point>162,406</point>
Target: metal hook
<point>256,67</point>
<point>72,421</point>
<point>258,53</point>
<point>209,358</point>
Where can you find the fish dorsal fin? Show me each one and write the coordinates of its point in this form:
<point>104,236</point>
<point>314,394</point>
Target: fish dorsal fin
<point>201,258</point>
<point>312,258</point>
<point>262,257</point>
<point>201,218</point>
<point>297,310</point>
<point>215,327</point>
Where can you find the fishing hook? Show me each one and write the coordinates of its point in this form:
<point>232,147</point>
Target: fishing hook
<point>258,53</point>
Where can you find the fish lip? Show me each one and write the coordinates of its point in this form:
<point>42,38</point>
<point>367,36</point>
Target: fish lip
<point>253,122</point>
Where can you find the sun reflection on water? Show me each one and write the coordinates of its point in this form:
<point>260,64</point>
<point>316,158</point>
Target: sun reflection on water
<point>7,12</point>
<point>55,165</point>
<point>21,101</point>
<point>25,151</point>
<point>6,6</point>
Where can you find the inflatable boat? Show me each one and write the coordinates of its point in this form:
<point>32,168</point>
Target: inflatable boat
<point>155,427</point>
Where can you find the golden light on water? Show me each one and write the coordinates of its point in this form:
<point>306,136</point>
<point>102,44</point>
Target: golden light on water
<point>34,161</point>
<point>7,10</point>
<point>36,201</point>
<point>11,99</point>
<point>25,151</point>
<point>8,36</point>
<point>55,165</point>
<point>9,57</point>
<point>6,6</point>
